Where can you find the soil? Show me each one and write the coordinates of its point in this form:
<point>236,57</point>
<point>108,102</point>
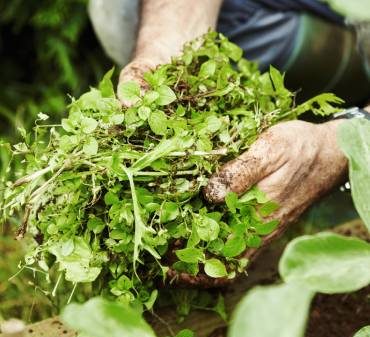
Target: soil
<point>339,315</point>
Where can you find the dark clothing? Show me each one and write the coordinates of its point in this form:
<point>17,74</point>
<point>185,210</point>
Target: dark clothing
<point>266,29</point>
<point>314,7</point>
<point>305,38</point>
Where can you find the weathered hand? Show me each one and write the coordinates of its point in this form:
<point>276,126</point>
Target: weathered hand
<point>294,163</point>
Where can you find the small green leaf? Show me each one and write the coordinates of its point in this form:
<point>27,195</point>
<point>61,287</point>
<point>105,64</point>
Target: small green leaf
<point>207,69</point>
<point>124,283</point>
<point>90,148</point>
<point>268,208</point>
<point>215,268</point>
<point>96,225</point>
<point>254,241</point>
<point>158,122</point>
<point>67,125</point>
<point>213,124</point>
<point>77,265</point>
<point>185,333</point>
<point>190,255</point>
<point>150,302</point>
<point>129,91</point>
<point>189,268</point>
<point>234,246</point>
<point>150,97</point>
<point>117,119</point>
<point>166,95</point>
<point>106,86</point>
<point>111,198</point>
<point>41,116</point>
<point>207,228</point>
<point>231,50</point>
<point>88,125</point>
<point>266,228</point>
<point>254,194</point>
<point>169,211</point>
<point>232,201</point>
<point>144,112</point>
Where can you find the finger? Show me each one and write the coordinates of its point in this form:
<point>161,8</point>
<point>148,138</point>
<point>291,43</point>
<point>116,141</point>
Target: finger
<point>242,173</point>
<point>135,71</point>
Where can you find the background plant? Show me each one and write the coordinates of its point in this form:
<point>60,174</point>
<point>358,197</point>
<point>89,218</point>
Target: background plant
<point>48,50</point>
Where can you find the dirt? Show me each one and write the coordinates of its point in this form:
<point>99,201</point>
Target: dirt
<point>339,315</point>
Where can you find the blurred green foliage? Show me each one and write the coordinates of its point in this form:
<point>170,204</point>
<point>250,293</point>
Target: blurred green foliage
<point>47,49</point>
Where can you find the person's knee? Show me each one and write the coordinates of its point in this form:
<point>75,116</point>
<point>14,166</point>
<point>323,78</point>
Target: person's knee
<point>115,23</point>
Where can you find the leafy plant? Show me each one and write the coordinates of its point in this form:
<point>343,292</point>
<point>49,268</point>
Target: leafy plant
<point>113,197</point>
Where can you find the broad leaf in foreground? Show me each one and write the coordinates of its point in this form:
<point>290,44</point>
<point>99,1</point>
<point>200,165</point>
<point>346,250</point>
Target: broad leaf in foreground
<point>354,140</point>
<point>101,318</point>
<point>364,332</point>
<point>278,311</point>
<point>327,263</point>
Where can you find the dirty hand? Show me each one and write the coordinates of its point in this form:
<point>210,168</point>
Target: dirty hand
<point>294,163</point>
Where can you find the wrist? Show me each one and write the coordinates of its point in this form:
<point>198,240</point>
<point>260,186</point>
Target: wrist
<point>328,132</point>
<point>330,151</point>
<point>167,24</point>
<point>153,52</point>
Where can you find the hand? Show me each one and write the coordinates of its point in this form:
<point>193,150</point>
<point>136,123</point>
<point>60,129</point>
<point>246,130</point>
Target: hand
<point>294,163</point>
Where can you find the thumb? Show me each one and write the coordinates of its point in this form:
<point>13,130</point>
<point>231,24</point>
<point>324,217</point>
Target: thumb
<point>134,71</point>
<point>240,174</point>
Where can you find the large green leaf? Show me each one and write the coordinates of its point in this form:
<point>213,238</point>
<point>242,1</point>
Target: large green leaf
<point>327,263</point>
<point>364,332</point>
<point>354,140</point>
<point>75,257</point>
<point>278,311</point>
<point>352,9</point>
<point>101,318</point>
